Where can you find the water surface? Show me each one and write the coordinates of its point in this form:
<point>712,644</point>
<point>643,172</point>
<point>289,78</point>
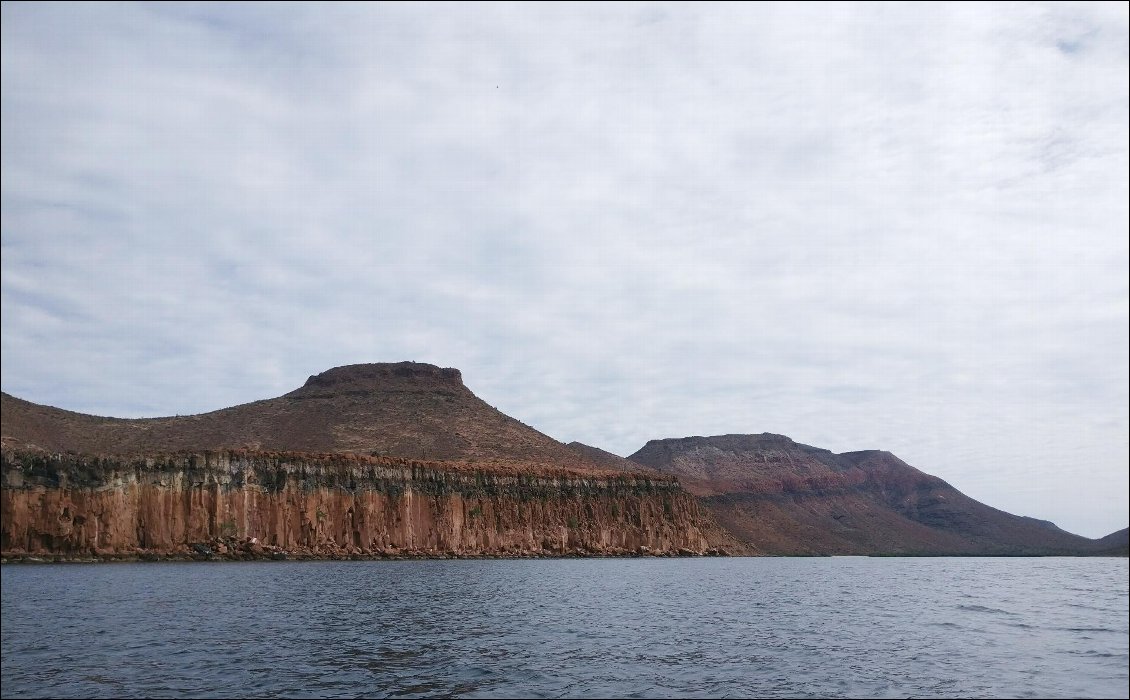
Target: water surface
<point>840,627</point>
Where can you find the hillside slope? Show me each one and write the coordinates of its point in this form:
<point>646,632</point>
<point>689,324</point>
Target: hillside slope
<point>361,461</point>
<point>782,497</point>
<point>1115,544</point>
<point>405,409</point>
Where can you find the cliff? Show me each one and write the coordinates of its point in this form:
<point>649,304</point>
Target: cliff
<point>383,459</point>
<point>361,460</point>
<point>240,504</point>
<point>782,497</point>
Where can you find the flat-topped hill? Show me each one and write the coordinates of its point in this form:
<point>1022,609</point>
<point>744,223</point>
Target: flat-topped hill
<point>404,409</point>
<point>783,497</point>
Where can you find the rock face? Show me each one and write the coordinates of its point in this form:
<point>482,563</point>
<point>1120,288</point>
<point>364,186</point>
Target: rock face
<point>387,459</point>
<point>255,504</point>
<point>361,460</point>
<point>782,497</point>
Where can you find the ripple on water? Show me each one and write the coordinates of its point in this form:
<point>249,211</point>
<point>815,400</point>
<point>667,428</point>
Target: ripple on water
<point>632,628</point>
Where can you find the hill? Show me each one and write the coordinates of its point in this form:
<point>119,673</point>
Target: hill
<point>608,460</point>
<point>770,494</point>
<point>406,409</point>
<point>372,460</point>
<point>1115,544</point>
<point>782,497</point>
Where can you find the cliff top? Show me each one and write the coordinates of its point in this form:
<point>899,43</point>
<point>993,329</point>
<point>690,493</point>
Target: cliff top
<point>382,376</point>
<point>728,441</point>
<point>90,470</point>
<point>737,456</point>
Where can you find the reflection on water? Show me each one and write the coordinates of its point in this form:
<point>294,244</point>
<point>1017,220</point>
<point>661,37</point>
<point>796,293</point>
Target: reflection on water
<point>854,627</point>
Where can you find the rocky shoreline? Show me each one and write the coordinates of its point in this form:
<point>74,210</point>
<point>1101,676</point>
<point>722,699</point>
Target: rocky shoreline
<point>240,505</point>
<point>232,549</point>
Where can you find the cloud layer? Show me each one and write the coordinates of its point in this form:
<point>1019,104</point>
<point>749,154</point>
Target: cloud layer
<point>863,226</point>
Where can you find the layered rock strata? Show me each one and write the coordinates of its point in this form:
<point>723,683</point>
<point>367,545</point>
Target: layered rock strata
<point>778,496</point>
<point>240,503</point>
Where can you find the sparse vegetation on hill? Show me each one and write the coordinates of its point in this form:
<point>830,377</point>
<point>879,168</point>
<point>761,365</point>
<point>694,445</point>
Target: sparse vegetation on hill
<point>772,495</point>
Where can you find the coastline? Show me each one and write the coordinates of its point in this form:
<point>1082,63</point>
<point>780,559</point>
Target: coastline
<point>406,555</point>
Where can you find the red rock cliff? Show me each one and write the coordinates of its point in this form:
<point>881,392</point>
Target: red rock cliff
<point>300,504</point>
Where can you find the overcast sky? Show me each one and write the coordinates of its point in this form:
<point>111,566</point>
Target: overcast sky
<point>898,227</point>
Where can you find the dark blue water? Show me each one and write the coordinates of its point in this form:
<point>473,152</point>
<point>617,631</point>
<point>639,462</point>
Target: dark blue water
<point>851,627</point>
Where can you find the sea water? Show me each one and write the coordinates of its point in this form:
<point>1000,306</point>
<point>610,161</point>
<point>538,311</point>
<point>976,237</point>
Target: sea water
<point>792,627</point>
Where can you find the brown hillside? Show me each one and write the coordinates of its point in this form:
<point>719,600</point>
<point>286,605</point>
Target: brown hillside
<point>782,497</point>
<point>406,409</point>
<point>608,460</point>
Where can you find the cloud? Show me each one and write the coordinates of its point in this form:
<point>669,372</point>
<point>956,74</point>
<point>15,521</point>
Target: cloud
<point>888,226</point>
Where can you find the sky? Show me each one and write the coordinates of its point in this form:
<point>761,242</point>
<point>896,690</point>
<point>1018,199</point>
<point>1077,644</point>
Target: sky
<point>864,226</point>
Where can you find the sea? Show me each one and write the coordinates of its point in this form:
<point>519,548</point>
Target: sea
<point>569,628</point>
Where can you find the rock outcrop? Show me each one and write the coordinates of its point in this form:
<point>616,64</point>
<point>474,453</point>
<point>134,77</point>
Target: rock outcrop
<point>241,504</point>
<point>362,460</point>
<point>402,459</point>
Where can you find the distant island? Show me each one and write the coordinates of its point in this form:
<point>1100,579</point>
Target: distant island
<point>396,460</point>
